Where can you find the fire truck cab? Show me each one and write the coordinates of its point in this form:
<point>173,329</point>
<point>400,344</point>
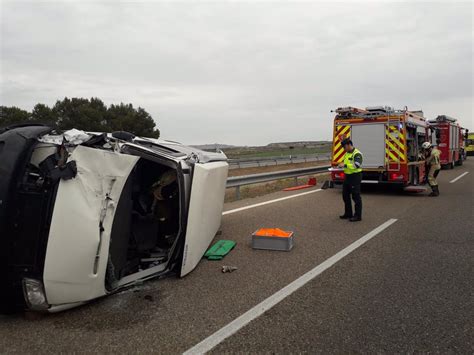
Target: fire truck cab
<point>390,141</point>
<point>449,137</point>
<point>469,143</point>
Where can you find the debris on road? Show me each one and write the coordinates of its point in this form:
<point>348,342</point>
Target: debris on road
<point>220,249</point>
<point>226,268</point>
<point>148,298</point>
<point>272,239</point>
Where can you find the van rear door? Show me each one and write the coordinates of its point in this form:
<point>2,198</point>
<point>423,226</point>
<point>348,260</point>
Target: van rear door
<point>205,211</point>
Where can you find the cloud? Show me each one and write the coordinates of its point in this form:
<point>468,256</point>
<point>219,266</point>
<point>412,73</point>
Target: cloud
<point>241,73</point>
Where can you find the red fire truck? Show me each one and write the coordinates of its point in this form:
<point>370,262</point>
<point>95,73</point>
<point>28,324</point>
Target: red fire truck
<point>449,137</point>
<point>390,141</point>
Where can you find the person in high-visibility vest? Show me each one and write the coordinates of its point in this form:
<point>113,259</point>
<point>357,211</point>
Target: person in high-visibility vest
<point>433,163</point>
<point>353,177</point>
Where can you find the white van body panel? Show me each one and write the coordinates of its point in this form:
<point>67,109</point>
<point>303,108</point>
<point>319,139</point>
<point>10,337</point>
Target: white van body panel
<point>77,252</point>
<point>205,211</point>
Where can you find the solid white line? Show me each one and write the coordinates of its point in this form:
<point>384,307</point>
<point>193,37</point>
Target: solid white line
<point>240,322</point>
<point>268,202</point>
<point>460,176</point>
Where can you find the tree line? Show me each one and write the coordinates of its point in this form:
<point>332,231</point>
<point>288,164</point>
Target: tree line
<point>85,114</point>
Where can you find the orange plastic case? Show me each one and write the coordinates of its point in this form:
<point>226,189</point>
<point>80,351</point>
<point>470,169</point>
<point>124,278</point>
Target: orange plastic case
<point>272,239</point>
<point>272,232</point>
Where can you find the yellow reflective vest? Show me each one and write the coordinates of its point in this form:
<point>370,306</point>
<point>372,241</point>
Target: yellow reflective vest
<point>349,164</point>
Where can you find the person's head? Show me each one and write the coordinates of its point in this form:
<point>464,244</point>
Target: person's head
<point>426,146</point>
<point>347,145</point>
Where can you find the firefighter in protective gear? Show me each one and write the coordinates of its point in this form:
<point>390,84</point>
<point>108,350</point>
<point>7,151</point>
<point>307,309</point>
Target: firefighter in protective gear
<point>353,177</point>
<point>432,159</point>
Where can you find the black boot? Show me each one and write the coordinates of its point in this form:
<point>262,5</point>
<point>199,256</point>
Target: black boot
<point>434,191</point>
<point>345,216</point>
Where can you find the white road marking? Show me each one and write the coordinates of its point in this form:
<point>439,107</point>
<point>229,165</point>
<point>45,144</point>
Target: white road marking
<point>218,337</point>
<point>460,176</point>
<point>268,202</point>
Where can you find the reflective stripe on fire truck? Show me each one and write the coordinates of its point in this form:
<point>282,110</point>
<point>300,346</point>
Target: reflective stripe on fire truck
<point>395,150</point>
<point>338,150</point>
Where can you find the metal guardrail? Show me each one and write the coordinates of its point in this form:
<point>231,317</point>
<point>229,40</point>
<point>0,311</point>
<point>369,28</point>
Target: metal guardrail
<point>277,160</point>
<point>238,181</point>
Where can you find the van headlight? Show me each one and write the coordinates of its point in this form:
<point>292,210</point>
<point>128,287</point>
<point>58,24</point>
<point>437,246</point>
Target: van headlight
<point>35,296</point>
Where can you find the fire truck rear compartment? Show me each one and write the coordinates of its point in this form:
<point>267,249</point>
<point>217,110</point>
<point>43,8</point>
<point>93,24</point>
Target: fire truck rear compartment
<point>370,140</point>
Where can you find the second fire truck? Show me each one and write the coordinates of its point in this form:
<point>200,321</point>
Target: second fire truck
<point>449,138</point>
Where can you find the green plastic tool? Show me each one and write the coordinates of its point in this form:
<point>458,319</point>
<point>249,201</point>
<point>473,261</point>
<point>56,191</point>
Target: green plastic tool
<point>220,249</point>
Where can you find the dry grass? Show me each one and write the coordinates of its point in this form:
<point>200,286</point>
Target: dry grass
<point>272,168</point>
<point>250,191</point>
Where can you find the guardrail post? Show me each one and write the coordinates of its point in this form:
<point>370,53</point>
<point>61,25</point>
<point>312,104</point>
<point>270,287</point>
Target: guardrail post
<point>296,180</point>
<point>237,192</point>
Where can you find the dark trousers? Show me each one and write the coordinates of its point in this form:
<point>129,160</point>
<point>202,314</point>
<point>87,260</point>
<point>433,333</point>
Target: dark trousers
<point>350,187</point>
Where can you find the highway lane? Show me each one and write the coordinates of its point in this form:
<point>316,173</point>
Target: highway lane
<point>171,315</point>
<point>409,290</point>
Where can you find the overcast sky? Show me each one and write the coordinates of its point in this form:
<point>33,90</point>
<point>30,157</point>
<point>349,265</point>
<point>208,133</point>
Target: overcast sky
<point>241,72</point>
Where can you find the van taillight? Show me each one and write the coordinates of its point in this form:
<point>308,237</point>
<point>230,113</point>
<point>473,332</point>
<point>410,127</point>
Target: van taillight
<point>339,175</point>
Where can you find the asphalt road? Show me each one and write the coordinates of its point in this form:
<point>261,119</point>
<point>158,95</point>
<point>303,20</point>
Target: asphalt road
<point>409,289</point>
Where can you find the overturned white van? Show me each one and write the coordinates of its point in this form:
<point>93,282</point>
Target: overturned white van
<point>83,215</point>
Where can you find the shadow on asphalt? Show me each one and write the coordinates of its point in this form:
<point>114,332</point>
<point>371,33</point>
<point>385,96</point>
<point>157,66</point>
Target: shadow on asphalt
<point>390,190</point>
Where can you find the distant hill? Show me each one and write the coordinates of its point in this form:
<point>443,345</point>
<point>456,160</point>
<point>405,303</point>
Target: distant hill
<point>299,144</point>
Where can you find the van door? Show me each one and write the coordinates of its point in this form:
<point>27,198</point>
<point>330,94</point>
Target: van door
<point>205,211</point>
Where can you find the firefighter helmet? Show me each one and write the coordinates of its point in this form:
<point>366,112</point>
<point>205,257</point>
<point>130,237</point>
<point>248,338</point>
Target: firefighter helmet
<point>426,145</point>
